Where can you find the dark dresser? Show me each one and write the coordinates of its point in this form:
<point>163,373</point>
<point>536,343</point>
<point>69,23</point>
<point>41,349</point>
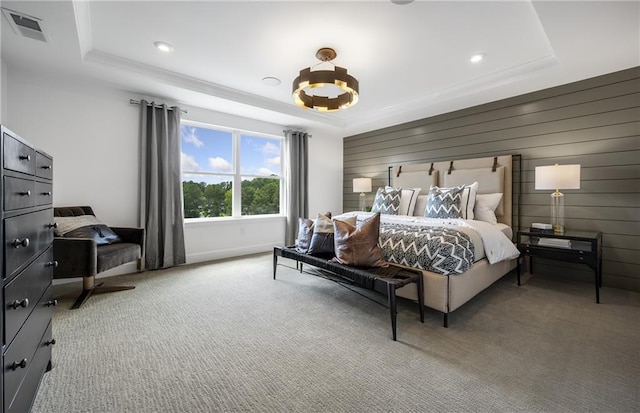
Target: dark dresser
<point>27,270</point>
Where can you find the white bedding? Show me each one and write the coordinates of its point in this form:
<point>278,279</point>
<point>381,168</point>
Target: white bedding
<point>489,240</point>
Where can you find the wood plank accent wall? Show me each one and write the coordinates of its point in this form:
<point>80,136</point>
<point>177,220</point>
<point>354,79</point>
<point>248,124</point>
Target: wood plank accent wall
<point>594,123</point>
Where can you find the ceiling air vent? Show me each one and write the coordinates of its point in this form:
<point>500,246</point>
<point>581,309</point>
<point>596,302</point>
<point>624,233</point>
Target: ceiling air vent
<point>25,25</point>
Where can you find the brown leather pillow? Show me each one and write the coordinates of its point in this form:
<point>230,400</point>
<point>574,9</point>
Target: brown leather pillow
<point>358,245</point>
<point>322,239</point>
<point>305,231</point>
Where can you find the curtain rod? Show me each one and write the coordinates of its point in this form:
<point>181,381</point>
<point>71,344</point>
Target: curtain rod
<point>291,130</point>
<point>137,102</point>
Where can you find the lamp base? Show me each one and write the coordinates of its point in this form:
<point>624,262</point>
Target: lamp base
<point>362,201</point>
<point>557,212</point>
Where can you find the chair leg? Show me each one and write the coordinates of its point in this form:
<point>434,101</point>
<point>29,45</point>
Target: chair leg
<point>89,287</point>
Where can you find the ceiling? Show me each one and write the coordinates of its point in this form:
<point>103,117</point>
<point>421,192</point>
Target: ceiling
<point>412,61</point>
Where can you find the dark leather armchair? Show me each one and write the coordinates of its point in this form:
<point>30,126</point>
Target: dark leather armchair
<point>81,257</point>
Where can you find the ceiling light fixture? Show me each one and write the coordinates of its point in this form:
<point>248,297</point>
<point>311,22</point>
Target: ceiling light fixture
<point>341,88</point>
<point>163,47</point>
<point>477,57</point>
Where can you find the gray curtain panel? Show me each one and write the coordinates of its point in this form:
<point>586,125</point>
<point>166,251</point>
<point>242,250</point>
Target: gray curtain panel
<point>161,186</point>
<point>297,190</point>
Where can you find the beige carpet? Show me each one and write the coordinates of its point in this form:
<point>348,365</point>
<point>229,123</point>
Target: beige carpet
<point>226,337</point>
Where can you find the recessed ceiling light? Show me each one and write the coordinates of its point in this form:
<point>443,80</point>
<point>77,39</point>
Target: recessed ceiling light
<point>163,47</point>
<point>271,81</point>
<point>477,57</point>
<point>401,2</point>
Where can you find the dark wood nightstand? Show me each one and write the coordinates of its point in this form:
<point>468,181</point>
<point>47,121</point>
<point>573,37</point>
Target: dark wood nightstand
<point>581,247</point>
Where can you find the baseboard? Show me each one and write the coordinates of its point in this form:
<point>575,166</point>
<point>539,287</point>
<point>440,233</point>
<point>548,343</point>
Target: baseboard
<point>228,253</point>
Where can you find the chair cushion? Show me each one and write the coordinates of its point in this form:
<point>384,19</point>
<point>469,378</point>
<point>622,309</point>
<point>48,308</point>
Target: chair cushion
<point>113,255</point>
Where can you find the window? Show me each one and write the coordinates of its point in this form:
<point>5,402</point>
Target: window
<point>230,172</point>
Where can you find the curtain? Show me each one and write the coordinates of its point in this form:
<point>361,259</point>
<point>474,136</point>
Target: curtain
<point>161,186</point>
<point>296,191</point>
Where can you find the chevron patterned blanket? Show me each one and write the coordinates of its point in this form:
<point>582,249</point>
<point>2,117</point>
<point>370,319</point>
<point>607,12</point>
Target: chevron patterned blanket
<point>437,249</point>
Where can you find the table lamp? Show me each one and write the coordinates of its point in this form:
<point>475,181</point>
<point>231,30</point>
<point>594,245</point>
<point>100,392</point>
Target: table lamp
<point>557,177</point>
<point>362,185</point>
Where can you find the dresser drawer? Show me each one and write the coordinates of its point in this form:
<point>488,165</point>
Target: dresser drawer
<point>25,236</point>
<point>23,360</point>
<point>18,156</point>
<point>44,193</point>
<point>26,392</point>
<point>44,166</point>
<point>19,193</point>
<point>22,294</point>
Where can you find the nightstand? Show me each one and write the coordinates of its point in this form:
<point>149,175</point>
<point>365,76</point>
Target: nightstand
<point>581,247</point>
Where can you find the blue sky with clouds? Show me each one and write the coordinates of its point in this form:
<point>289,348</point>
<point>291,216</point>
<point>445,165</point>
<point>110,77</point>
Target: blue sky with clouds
<point>212,151</point>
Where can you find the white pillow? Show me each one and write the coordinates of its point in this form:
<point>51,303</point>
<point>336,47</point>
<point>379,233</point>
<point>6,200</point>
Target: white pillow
<point>408,198</point>
<point>421,206</point>
<point>469,199</point>
<point>485,207</point>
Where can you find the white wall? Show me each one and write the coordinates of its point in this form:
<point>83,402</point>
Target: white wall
<point>92,133</point>
<point>3,91</point>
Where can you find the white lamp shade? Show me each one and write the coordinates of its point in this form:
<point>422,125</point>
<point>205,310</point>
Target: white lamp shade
<point>362,185</point>
<point>558,177</point>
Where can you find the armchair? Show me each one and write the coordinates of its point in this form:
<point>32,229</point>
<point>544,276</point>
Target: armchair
<point>82,257</point>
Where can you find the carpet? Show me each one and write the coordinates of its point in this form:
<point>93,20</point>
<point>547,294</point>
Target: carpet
<point>225,337</point>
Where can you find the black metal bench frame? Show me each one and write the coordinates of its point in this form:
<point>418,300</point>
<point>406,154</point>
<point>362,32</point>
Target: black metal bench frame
<point>385,280</point>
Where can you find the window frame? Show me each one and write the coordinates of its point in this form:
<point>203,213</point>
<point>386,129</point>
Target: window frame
<point>236,175</point>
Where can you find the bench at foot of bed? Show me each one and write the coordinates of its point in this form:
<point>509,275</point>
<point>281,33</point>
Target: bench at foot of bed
<point>385,280</point>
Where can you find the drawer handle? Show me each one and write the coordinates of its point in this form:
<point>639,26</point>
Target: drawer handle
<point>46,166</point>
<point>24,157</point>
<point>46,193</point>
<point>16,303</point>
<point>53,264</point>
<point>581,258</point>
<point>51,303</point>
<point>24,243</point>
<point>22,364</point>
<point>52,225</point>
<point>50,342</point>
<point>24,193</point>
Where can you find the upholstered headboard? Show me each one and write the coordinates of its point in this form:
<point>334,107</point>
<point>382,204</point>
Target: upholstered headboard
<point>493,174</point>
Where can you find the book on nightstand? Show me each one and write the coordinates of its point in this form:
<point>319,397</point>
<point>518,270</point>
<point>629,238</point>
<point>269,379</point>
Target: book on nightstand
<point>543,228</point>
<point>555,242</point>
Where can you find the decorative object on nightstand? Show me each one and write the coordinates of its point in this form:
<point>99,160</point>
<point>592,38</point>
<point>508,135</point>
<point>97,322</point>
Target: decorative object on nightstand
<point>557,177</point>
<point>362,185</point>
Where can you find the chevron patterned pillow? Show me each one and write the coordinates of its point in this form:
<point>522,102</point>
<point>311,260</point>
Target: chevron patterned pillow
<point>387,201</point>
<point>444,202</point>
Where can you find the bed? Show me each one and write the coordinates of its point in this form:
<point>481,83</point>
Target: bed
<point>447,287</point>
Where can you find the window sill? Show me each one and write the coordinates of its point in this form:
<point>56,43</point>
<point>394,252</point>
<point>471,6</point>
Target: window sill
<point>233,220</point>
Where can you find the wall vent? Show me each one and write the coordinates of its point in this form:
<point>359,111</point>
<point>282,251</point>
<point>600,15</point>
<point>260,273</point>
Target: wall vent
<point>25,25</point>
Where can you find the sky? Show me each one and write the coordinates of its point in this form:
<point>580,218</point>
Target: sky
<point>212,151</point>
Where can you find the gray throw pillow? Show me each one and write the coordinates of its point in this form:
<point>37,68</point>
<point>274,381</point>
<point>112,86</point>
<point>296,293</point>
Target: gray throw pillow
<point>100,233</point>
<point>387,201</point>
<point>305,232</point>
<point>444,202</point>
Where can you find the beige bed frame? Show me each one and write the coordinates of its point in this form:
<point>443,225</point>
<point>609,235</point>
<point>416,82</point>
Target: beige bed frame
<point>447,293</point>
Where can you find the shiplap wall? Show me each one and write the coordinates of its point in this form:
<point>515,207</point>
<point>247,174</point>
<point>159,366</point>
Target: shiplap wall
<point>594,123</point>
